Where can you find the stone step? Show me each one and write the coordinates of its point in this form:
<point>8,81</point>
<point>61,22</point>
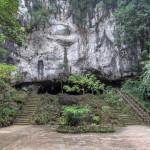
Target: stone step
<point>36,98</point>
<point>21,123</point>
<point>22,120</point>
<point>29,108</point>
<point>32,102</point>
<point>128,118</point>
<point>34,105</point>
<point>23,116</point>
<point>27,112</point>
<point>133,123</point>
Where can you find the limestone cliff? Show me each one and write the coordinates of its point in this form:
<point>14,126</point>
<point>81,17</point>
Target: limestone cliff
<point>64,48</point>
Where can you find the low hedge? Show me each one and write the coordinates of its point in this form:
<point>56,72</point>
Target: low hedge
<point>85,129</point>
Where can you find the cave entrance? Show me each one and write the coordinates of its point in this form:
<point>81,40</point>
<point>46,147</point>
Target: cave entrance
<point>49,87</point>
<point>43,87</point>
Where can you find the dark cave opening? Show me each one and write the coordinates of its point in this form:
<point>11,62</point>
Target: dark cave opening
<point>42,87</point>
<point>54,87</point>
<point>49,87</point>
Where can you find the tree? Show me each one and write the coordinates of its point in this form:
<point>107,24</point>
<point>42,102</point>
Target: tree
<point>9,29</point>
<point>83,83</point>
<point>80,9</point>
<point>145,80</point>
<point>133,20</point>
<point>7,73</point>
<point>73,115</point>
<point>9,26</point>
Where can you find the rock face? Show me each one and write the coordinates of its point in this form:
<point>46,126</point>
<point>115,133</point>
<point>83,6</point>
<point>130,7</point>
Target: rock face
<point>63,48</point>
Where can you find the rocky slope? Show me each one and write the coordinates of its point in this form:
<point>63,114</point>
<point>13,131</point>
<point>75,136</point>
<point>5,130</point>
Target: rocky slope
<point>63,48</point>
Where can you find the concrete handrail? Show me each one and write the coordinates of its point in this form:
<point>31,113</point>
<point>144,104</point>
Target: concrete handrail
<point>140,111</point>
<point>143,108</point>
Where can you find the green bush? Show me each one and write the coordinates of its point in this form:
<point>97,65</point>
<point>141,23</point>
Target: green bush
<point>96,119</point>
<point>11,101</point>
<point>7,113</point>
<point>133,87</point>
<point>73,115</point>
<point>106,110</point>
<point>139,89</point>
<point>115,100</point>
<point>42,118</point>
<point>85,129</point>
<point>83,83</point>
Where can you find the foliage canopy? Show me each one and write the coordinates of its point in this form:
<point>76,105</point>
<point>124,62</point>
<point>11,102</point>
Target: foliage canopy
<point>9,26</point>
<point>83,83</point>
<point>73,115</point>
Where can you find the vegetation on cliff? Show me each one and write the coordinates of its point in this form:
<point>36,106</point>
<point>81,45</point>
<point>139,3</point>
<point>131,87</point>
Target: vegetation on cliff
<point>9,26</point>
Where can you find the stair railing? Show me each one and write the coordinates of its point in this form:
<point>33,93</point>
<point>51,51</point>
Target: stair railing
<point>144,117</point>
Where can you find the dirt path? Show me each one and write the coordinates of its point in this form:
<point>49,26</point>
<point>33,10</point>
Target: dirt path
<point>45,138</point>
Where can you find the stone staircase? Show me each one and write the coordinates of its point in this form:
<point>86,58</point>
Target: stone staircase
<point>25,114</point>
<point>140,112</point>
<point>123,119</point>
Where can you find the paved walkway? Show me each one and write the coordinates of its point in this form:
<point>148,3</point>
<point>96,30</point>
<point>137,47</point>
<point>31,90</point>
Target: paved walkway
<point>45,138</point>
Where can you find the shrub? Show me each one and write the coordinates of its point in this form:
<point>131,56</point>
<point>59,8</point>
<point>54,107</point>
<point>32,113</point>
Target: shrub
<point>96,119</point>
<point>73,115</point>
<point>106,109</point>
<point>115,100</point>
<point>138,89</point>
<point>132,87</point>
<point>85,129</point>
<point>83,83</point>
<point>7,113</point>
<point>42,118</point>
<point>63,121</point>
<point>106,113</point>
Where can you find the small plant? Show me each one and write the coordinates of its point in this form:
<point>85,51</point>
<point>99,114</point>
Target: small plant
<point>93,124</point>
<point>113,122</point>
<point>96,119</point>
<point>63,121</point>
<point>73,115</point>
<point>106,112</point>
<point>106,108</point>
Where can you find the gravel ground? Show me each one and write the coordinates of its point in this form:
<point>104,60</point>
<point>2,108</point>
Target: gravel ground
<point>45,138</point>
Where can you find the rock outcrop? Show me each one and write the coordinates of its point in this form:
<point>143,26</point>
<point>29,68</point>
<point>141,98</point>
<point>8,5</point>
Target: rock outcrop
<point>63,48</point>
